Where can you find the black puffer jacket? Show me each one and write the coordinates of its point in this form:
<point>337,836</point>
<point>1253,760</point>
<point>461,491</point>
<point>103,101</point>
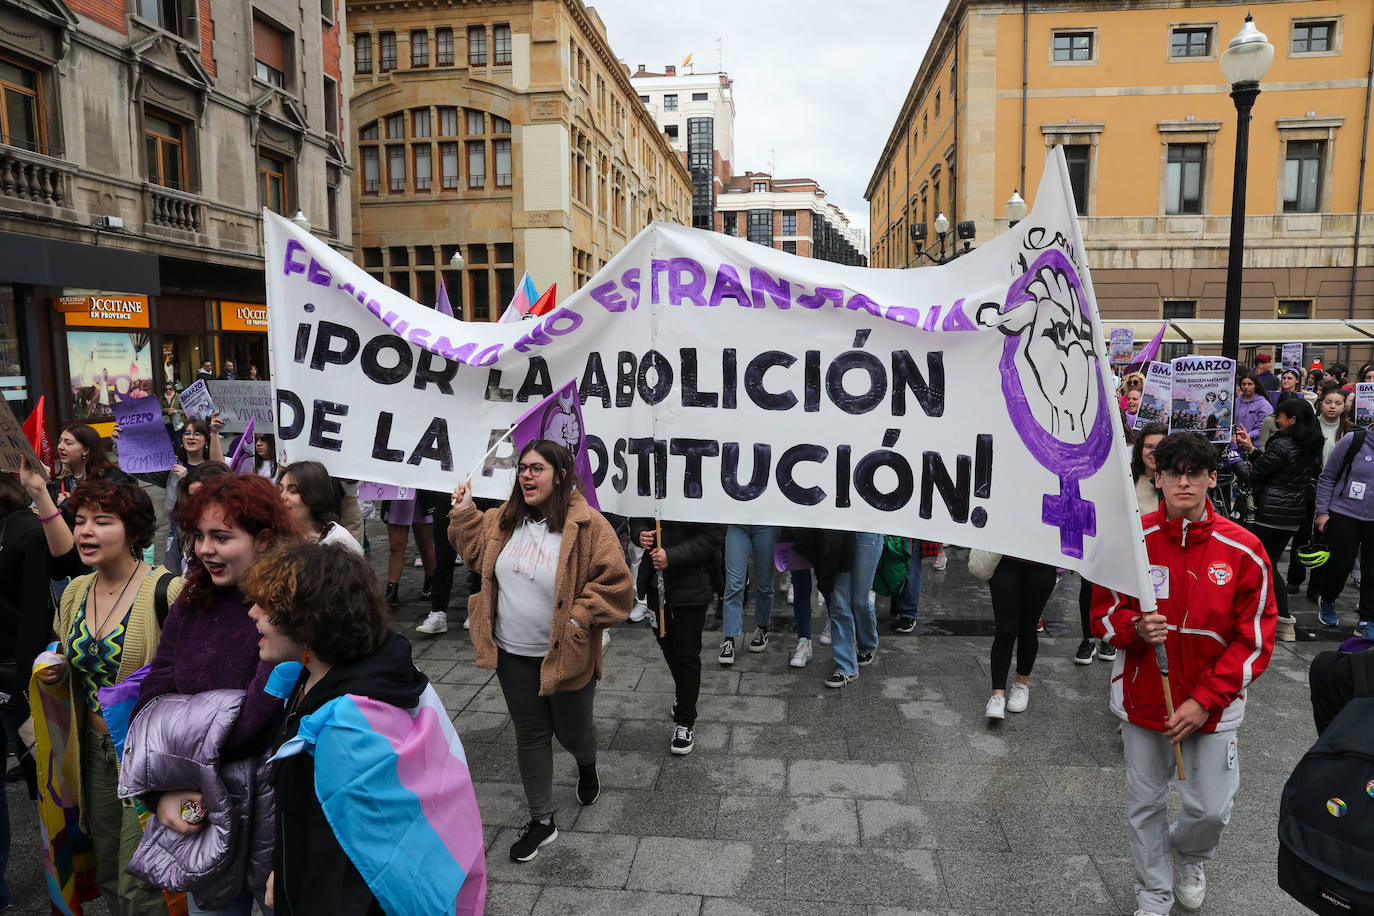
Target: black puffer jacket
<point>692,549</point>
<point>1285,483</point>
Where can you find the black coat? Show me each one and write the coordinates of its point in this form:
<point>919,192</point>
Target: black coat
<point>1285,483</point>
<point>692,550</point>
<point>313,875</point>
<point>829,553</point>
<point>26,608</point>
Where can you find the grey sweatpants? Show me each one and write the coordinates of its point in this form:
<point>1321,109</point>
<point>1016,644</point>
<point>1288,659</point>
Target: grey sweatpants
<point>566,715</point>
<point>1208,794</point>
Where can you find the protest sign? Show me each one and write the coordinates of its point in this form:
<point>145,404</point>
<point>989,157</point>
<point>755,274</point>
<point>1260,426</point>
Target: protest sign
<point>558,418</point>
<point>15,447</point>
<point>1155,395</point>
<point>240,401</point>
<point>369,492</point>
<point>196,402</point>
<point>1364,404</point>
<point>1202,396</point>
<point>144,445</point>
<point>723,381</point>
<point>1121,347</point>
<point>1292,357</point>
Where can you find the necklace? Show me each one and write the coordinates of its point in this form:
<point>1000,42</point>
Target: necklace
<point>99,623</point>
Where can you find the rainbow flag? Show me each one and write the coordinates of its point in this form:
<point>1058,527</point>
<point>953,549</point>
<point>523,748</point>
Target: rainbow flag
<point>395,787</point>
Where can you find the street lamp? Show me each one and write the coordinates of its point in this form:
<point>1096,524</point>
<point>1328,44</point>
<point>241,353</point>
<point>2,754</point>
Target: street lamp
<point>1244,62</point>
<point>964,230</point>
<point>300,220</point>
<point>456,262</point>
<point>1015,209</point>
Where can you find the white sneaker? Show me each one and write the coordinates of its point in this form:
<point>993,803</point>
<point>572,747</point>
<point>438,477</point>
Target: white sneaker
<point>825,633</point>
<point>605,639</point>
<point>802,655</point>
<point>941,560</point>
<point>639,611</point>
<point>791,594</point>
<point>1018,698</point>
<point>1190,884</point>
<point>419,562</point>
<point>1149,913</point>
<point>997,706</point>
<point>467,623</point>
<point>434,624</point>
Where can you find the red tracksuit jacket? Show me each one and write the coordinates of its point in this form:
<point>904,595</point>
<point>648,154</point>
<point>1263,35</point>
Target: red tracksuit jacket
<point>1213,583</point>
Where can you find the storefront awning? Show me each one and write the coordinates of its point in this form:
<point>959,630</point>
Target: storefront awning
<point>54,262</point>
<point>1207,331</point>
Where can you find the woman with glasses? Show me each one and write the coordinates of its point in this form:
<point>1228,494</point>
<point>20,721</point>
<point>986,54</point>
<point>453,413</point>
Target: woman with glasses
<point>553,577</point>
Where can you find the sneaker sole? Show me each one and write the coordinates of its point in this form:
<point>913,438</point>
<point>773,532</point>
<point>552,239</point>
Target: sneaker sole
<point>593,799</point>
<point>681,751</point>
<point>754,648</point>
<point>1079,660</point>
<point>726,662</point>
<point>431,632</point>
<point>996,716</point>
<point>838,684</point>
<point>794,663</point>
<point>553,836</point>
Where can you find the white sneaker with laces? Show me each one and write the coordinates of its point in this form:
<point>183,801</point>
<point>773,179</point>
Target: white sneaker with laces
<point>639,611</point>
<point>1190,884</point>
<point>941,560</point>
<point>825,633</point>
<point>802,654</point>
<point>997,706</point>
<point>434,624</point>
<point>605,639</point>
<point>1018,697</point>
<point>467,623</point>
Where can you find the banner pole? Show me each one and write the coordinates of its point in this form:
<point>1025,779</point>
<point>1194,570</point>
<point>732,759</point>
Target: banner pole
<point>483,460</point>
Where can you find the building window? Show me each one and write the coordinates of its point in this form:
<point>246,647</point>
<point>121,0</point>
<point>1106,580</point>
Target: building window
<point>501,150</point>
<point>1295,308</point>
<point>362,53</point>
<point>699,96</point>
<point>372,173</point>
<point>1302,176</point>
<point>789,247</point>
<point>419,48</point>
<point>477,164</point>
<point>423,175</point>
<point>936,105</point>
<point>1180,308</point>
<point>331,107</point>
<point>1190,41</point>
<point>729,223</point>
<point>166,14</point>
<point>761,227</point>
<point>164,146</point>
<point>1079,159</point>
<point>1074,46</point>
<point>477,46</point>
<point>499,125</point>
<point>327,12</point>
<point>644,99</point>
<point>443,47</point>
<point>671,131</point>
<point>370,132</point>
<point>21,121</point>
<point>396,168</point>
<point>448,166</point>
<point>419,122</point>
<point>448,122</point>
<point>789,222</point>
<point>273,192</point>
<point>1314,37</point>
<point>476,125</point>
<point>760,186</point>
<point>500,42</point>
<point>388,61</point>
<point>269,53</point>
<point>395,126</point>
<point>670,101</point>
<point>925,125</point>
<point>1183,179</point>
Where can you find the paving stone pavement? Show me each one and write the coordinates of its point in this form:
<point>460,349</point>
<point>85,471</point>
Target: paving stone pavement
<point>890,796</point>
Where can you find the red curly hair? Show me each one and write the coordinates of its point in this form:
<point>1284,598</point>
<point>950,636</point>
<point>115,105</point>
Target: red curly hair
<point>125,500</point>
<point>248,502</point>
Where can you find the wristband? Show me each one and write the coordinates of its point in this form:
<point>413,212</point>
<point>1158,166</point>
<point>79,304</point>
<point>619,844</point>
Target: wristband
<point>48,518</point>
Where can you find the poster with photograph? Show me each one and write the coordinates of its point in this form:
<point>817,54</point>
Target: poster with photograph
<point>1121,346</point>
<point>1364,405</point>
<point>1155,395</point>
<point>1292,357</point>
<point>1202,396</point>
<point>107,368</point>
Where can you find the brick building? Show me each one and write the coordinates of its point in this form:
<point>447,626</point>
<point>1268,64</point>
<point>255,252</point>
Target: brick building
<point>791,214</point>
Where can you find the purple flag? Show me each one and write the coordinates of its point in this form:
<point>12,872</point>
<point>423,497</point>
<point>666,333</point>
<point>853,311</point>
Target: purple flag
<point>1152,348</point>
<point>242,460</point>
<point>559,418</point>
<point>442,306</point>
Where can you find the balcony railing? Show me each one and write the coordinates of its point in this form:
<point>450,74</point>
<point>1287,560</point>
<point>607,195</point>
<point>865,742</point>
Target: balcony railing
<point>174,209</point>
<point>31,176</point>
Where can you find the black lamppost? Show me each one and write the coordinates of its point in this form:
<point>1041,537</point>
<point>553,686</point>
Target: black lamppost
<point>1244,62</point>
<point>965,231</point>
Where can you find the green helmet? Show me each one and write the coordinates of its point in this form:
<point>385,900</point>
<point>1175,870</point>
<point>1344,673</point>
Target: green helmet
<point>1313,555</point>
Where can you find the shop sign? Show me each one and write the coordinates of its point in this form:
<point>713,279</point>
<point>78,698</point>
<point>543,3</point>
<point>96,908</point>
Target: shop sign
<point>105,311</point>
<point>243,316</point>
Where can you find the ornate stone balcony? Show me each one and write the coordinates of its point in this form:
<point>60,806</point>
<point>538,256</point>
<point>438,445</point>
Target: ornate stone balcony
<point>34,177</point>
<point>174,209</point>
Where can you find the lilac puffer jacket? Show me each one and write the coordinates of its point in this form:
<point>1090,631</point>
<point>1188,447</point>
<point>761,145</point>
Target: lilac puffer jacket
<point>174,744</point>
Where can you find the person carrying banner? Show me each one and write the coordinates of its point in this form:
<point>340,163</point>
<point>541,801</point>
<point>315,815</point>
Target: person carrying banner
<point>684,559</point>
<point>1210,571</point>
<point>560,574</point>
<point>740,542</point>
<point>1020,590</point>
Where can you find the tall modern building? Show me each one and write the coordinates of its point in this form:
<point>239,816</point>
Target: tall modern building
<point>1135,95</point>
<point>506,132</point>
<point>139,142</point>
<point>791,214</point>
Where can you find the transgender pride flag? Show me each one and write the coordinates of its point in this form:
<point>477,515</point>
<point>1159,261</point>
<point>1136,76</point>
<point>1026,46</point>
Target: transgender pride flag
<point>395,787</point>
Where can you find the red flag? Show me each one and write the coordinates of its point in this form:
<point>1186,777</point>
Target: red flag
<point>37,433</point>
<point>545,303</point>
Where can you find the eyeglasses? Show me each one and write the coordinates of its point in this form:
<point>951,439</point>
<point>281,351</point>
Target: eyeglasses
<point>534,470</point>
<point>1194,477</point>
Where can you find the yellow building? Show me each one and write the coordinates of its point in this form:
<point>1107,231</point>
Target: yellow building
<point>1137,98</point>
<point>506,131</point>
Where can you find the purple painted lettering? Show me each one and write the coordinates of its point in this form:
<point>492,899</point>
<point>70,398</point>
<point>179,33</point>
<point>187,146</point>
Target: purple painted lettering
<point>728,286</point>
<point>779,290</point>
<point>290,265</point>
<point>608,295</point>
<point>691,290</point>
<point>820,297</point>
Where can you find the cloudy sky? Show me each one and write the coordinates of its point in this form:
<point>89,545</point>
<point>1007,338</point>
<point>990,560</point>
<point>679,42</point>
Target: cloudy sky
<point>817,84</point>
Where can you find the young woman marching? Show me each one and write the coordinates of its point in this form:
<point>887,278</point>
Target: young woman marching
<point>553,577</point>
<point>307,491</point>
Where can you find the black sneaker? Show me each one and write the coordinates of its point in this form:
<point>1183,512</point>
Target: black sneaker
<point>904,625</point>
<point>1087,649</point>
<point>760,640</point>
<point>427,590</point>
<point>393,595</point>
<point>532,836</point>
<point>682,740</point>
<point>839,679</point>
<point>866,658</point>
<point>588,785</point>
<point>1106,652</point>
<point>727,651</point>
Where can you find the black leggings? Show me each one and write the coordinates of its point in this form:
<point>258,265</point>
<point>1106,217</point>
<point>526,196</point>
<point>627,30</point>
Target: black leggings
<point>682,651</point>
<point>1020,590</point>
<point>1085,606</point>
<point>1274,541</point>
<point>1345,536</point>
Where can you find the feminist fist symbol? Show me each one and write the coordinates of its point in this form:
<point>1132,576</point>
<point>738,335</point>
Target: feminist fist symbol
<point>560,422</point>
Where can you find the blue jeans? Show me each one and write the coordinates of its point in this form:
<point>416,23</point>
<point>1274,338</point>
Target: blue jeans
<point>853,621</point>
<point>739,541</point>
<point>908,600</point>
<point>801,601</point>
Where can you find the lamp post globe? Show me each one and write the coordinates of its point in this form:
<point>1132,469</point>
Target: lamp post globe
<point>456,262</point>
<point>1015,209</point>
<point>300,220</point>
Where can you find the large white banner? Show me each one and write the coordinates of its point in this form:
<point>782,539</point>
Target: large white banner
<point>724,381</point>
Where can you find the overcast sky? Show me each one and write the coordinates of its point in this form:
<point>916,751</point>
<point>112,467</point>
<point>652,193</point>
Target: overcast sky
<point>817,84</point>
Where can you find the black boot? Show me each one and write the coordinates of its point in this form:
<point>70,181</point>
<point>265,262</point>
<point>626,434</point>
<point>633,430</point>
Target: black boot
<point>393,595</point>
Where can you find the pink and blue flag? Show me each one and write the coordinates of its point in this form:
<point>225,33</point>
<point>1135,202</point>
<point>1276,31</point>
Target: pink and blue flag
<point>559,418</point>
<point>523,300</point>
<point>395,787</point>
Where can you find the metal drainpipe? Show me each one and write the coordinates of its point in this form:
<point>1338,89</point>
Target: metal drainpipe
<point>1359,199</point>
<point>1025,56</point>
<point>954,168</point>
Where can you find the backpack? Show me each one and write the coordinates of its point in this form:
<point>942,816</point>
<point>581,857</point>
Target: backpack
<point>1326,813</point>
<point>893,564</point>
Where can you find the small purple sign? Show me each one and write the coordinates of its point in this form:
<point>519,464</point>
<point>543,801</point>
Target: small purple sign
<point>144,445</point>
<point>371,492</point>
<point>786,559</point>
